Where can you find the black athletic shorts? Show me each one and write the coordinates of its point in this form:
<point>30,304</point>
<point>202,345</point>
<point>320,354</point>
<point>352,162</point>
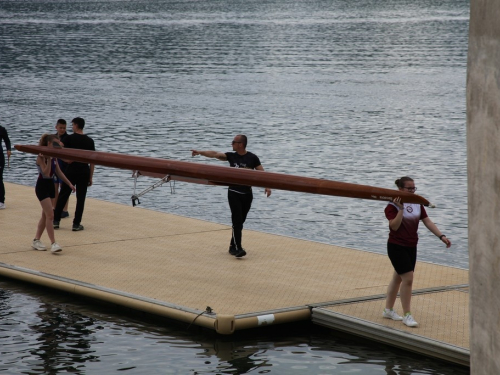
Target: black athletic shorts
<point>403,258</point>
<point>45,188</point>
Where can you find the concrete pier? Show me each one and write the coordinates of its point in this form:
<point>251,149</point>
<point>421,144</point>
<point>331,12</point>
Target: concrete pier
<point>483,149</point>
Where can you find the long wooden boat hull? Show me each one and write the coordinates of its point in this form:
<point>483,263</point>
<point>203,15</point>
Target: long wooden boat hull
<point>224,175</point>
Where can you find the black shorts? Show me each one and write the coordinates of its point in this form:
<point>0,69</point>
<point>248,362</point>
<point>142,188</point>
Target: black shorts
<point>45,188</point>
<point>403,258</point>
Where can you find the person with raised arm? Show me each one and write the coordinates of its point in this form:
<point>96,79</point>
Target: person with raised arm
<point>402,249</point>
<point>45,191</point>
<point>239,197</point>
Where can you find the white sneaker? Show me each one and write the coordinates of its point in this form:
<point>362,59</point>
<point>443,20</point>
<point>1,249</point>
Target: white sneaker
<point>409,321</point>
<point>391,314</point>
<point>55,248</point>
<point>2,206</point>
<point>38,245</point>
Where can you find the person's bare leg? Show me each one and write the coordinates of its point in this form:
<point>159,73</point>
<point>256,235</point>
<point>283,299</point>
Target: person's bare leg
<point>392,291</point>
<point>405,291</point>
<point>48,217</point>
<point>41,226</point>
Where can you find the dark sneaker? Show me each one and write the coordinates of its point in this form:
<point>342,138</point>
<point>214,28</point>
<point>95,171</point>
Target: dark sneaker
<point>64,214</point>
<point>232,250</point>
<point>240,253</point>
<point>76,228</point>
<point>55,224</point>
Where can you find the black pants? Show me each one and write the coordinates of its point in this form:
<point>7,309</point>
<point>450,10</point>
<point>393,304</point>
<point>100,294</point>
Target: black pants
<point>2,187</point>
<point>240,205</point>
<point>80,179</point>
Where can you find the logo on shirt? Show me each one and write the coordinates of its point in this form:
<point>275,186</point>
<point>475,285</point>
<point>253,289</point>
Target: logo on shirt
<point>409,209</point>
<point>241,165</point>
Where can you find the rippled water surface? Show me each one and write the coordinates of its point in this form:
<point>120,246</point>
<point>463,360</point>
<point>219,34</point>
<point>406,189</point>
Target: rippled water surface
<point>360,92</point>
<point>47,334</point>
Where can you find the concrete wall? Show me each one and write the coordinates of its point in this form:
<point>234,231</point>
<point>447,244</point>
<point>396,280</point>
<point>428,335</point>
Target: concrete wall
<point>483,148</point>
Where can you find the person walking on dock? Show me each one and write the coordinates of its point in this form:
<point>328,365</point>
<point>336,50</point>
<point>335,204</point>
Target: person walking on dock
<point>5,137</point>
<point>239,197</point>
<point>45,191</point>
<point>402,249</point>
<point>80,175</point>
<point>61,134</point>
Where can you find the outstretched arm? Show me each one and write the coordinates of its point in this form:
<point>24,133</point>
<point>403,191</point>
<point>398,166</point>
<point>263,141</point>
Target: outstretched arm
<point>434,229</point>
<point>210,154</point>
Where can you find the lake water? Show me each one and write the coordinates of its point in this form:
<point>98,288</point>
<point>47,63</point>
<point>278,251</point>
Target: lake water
<point>362,92</point>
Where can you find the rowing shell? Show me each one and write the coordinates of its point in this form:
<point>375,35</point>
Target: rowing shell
<point>222,175</point>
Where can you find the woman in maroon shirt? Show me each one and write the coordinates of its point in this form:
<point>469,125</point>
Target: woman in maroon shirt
<point>402,249</point>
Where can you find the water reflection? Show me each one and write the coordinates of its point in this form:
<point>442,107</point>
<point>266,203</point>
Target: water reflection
<point>64,340</point>
<point>44,333</point>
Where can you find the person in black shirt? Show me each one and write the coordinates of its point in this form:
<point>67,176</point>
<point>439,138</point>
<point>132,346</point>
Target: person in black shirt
<point>5,137</point>
<point>79,174</point>
<point>61,129</point>
<point>239,197</point>
<point>61,135</point>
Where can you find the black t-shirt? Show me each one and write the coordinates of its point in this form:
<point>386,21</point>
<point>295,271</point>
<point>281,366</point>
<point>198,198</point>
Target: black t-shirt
<point>62,137</point>
<point>249,161</point>
<point>81,142</point>
<point>5,138</point>
<point>62,163</point>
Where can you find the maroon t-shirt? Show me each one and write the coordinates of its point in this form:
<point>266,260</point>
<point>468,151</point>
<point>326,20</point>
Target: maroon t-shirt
<point>406,235</point>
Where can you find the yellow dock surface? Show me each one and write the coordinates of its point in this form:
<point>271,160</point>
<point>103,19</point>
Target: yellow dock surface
<point>173,266</point>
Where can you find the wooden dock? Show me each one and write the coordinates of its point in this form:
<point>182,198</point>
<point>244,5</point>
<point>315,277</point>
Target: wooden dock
<point>177,267</point>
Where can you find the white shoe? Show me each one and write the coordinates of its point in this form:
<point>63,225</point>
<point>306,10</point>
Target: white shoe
<point>391,314</point>
<point>409,321</point>
<point>2,206</point>
<point>55,248</point>
<point>38,245</point>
